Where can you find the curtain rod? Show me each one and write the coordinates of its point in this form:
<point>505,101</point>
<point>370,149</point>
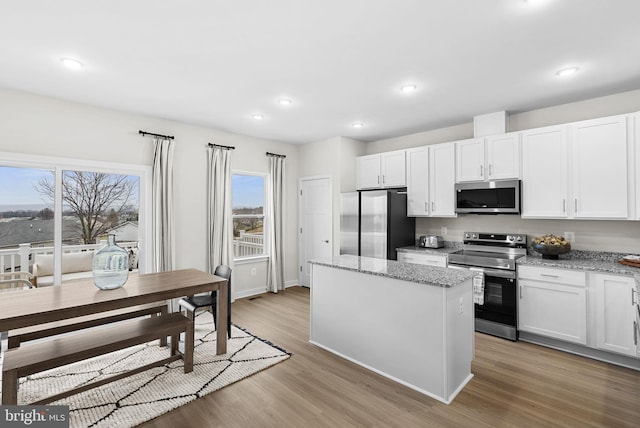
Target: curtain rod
<point>276,155</point>
<point>222,147</point>
<point>143,133</point>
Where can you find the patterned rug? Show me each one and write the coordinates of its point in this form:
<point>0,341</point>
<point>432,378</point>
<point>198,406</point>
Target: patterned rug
<point>139,398</point>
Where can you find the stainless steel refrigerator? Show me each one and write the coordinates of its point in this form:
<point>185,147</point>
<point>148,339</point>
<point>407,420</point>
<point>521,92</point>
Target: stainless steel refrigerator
<point>374,223</point>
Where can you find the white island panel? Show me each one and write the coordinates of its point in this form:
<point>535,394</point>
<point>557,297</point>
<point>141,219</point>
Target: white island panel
<point>417,334</point>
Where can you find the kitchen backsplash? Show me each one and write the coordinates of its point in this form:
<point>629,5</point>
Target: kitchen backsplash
<point>590,235</point>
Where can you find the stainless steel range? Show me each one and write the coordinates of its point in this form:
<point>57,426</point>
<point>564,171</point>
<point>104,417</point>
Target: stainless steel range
<point>493,256</point>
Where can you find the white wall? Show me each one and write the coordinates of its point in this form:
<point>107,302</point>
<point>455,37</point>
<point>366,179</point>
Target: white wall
<point>600,235</point>
<point>442,135</point>
<point>334,157</point>
<point>625,102</point>
<point>32,124</point>
<point>595,235</point>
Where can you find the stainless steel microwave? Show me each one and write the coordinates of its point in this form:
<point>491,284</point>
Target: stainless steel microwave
<point>488,197</point>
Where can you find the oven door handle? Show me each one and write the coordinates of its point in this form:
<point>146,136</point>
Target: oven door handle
<point>488,272</point>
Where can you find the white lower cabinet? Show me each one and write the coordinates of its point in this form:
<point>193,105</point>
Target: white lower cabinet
<point>423,259</point>
<point>615,316</point>
<point>553,303</point>
<point>588,308</point>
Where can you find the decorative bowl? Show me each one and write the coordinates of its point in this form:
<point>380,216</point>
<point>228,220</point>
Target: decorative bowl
<point>551,246</point>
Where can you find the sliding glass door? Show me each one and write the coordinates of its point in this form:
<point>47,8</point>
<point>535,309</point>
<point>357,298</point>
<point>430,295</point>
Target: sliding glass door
<point>53,219</point>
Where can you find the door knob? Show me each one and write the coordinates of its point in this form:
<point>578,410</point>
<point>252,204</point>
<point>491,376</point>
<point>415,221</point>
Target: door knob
<point>326,241</point>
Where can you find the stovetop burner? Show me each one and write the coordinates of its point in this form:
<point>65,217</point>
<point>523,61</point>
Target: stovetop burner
<point>490,250</point>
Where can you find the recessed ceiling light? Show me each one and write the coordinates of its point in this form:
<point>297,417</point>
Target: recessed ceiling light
<point>257,116</point>
<point>71,64</point>
<point>357,124</point>
<point>285,101</point>
<point>408,88</point>
<point>567,71</point>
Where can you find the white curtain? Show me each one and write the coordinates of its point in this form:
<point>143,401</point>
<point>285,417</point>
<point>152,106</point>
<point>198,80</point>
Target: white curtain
<point>275,278</point>
<point>219,222</point>
<point>163,224</point>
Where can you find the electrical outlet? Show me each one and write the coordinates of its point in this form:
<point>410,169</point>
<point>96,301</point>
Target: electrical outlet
<point>461,304</point>
<point>570,236</point>
<point>443,230</point>
<point>253,271</point>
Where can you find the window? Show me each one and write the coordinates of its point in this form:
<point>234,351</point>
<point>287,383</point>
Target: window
<point>57,206</point>
<point>248,192</point>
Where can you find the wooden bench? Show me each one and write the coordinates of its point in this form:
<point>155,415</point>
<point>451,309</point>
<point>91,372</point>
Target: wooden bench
<point>21,335</point>
<point>40,356</point>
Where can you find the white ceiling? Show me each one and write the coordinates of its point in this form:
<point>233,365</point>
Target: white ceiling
<point>217,62</point>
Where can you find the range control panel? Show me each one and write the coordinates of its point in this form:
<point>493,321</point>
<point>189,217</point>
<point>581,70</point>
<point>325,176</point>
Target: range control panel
<point>496,239</point>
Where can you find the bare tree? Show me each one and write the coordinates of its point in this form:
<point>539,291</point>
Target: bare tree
<point>91,196</point>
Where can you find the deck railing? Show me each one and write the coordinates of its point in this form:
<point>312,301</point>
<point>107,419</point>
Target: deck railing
<point>15,259</point>
<point>248,244</point>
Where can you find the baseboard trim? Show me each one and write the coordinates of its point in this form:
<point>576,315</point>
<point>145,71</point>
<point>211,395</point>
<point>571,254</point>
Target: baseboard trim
<point>249,293</point>
<point>584,351</point>
<point>256,291</point>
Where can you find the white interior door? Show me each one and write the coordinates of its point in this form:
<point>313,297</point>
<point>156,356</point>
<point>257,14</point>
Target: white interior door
<point>316,224</point>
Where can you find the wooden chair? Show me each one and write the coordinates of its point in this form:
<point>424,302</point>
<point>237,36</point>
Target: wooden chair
<point>193,303</point>
<point>13,281</point>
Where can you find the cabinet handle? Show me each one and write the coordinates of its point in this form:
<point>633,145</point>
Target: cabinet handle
<point>378,179</point>
<point>635,333</point>
<point>489,169</point>
<point>549,275</point>
<point>633,297</point>
<point>433,206</point>
<point>576,204</point>
<point>426,206</point>
<point>382,178</point>
<point>521,293</point>
<point>481,171</point>
<point>564,205</point>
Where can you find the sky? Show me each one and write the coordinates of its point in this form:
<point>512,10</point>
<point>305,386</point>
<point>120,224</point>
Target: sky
<point>17,188</point>
<point>248,191</point>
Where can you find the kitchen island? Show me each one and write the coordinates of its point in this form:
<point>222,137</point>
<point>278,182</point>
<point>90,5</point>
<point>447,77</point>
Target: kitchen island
<point>411,323</point>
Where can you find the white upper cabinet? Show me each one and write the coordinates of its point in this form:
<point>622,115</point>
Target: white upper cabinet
<point>578,170</point>
<point>381,170</point>
<point>442,178</point>
<point>470,160</point>
<point>545,172</point>
<point>430,181</point>
<point>599,152</point>
<point>636,169</point>
<point>368,172</point>
<point>503,156</point>
<point>393,169</point>
<point>490,158</point>
<point>418,182</point>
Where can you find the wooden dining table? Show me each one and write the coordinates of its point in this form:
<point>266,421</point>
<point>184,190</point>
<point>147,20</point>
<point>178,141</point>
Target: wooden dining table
<point>81,298</point>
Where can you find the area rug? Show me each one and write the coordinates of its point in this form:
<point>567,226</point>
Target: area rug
<point>139,398</point>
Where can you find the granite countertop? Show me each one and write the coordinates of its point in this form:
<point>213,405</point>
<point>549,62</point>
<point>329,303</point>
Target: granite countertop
<point>422,274</point>
<point>421,250</point>
<point>594,261</point>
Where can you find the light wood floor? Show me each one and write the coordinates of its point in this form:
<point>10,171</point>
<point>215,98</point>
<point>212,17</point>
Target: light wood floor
<point>515,385</point>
